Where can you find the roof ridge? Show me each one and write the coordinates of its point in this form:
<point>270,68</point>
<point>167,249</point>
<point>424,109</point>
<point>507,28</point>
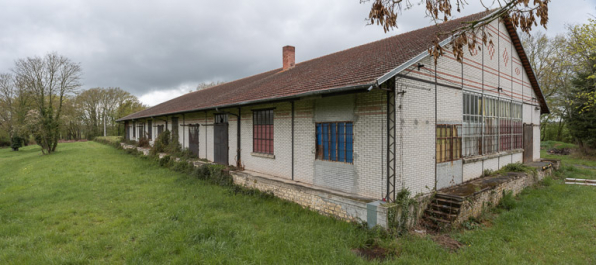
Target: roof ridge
<point>394,36</point>
<point>362,64</point>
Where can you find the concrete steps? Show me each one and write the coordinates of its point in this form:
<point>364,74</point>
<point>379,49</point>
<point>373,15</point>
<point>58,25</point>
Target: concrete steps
<point>442,210</point>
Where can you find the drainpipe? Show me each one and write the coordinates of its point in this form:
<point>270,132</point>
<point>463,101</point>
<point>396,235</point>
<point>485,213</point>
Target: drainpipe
<point>206,138</point>
<point>239,161</point>
<point>183,126</point>
<point>292,139</point>
<point>435,129</point>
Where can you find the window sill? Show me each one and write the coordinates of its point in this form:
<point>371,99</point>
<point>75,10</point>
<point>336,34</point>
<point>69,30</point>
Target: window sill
<point>478,158</point>
<point>333,161</point>
<point>270,156</point>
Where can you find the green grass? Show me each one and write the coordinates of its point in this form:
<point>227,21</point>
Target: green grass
<point>91,203</point>
<point>576,158</point>
<point>554,144</point>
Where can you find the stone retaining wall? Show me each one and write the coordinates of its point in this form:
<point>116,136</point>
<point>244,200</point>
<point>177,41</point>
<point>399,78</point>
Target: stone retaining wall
<point>474,205</point>
<point>327,202</point>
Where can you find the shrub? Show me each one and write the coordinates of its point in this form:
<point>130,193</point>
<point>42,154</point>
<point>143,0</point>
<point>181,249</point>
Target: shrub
<point>216,174</point>
<point>187,154</point>
<point>165,161</point>
<point>488,172</point>
<point>183,166</point>
<point>143,142</point>
<point>173,147</point>
<point>134,151</point>
<point>519,167</point>
<point>16,142</point>
<point>160,143</point>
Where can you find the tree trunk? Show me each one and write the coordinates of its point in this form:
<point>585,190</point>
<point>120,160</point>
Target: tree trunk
<point>104,125</point>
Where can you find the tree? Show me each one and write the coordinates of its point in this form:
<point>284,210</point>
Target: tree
<point>551,62</point>
<point>48,80</point>
<point>101,107</point>
<point>111,100</point>
<point>582,119</point>
<point>89,102</point>
<point>521,13</point>
<point>14,104</point>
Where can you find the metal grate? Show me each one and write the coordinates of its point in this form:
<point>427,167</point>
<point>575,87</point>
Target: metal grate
<point>262,131</point>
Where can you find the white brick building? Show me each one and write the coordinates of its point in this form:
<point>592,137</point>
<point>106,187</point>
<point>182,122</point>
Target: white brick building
<point>366,119</point>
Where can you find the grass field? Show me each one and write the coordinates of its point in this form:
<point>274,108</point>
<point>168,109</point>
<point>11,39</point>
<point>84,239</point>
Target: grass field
<point>91,203</point>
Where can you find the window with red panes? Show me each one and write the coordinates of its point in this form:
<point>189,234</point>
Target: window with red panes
<point>262,131</point>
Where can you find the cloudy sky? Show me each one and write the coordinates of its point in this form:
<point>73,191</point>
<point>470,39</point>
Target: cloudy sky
<point>158,50</point>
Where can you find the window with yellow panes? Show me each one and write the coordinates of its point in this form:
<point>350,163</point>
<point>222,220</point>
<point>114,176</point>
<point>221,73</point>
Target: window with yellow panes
<point>448,142</point>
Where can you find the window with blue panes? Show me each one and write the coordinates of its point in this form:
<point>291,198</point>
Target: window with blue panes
<point>335,141</point>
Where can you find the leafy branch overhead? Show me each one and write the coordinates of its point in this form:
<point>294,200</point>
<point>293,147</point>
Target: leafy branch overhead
<point>523,15</point>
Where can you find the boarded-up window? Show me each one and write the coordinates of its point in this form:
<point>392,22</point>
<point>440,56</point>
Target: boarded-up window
<point>335,141</point>
<point>262,131</point>
<point>448,142</point>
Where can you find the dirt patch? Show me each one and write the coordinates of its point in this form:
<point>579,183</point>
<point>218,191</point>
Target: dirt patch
<point>447,242</point>
<point>373,253</point>
<point>71,141</point>
<point>560,151</point>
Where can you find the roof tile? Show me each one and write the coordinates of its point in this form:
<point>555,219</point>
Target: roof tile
<point>360,65</point>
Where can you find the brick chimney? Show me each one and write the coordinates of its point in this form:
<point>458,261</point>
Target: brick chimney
<point>289,53</point>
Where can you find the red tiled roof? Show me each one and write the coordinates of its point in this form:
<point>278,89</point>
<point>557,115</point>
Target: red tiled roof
<point>358,66</point>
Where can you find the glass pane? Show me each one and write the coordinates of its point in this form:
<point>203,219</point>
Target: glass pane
<point>341,149</point>
<point>319,140</point>
<point>333,145</point>
<point>349,143</point>
<point>326,141</point>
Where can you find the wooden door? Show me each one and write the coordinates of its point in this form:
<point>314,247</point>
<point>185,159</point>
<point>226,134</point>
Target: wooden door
<point>528,143</point>
<point>220,143</point>
<point>193,139</point>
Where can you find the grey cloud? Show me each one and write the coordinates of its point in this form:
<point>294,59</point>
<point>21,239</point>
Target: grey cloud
<point>144,46</point>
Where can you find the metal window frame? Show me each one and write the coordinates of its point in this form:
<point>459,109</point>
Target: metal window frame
<point>452,143</point>
<point>319,153</point>
<point>259,139</point>
<point>500,122</point>
<point>472,126</point>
